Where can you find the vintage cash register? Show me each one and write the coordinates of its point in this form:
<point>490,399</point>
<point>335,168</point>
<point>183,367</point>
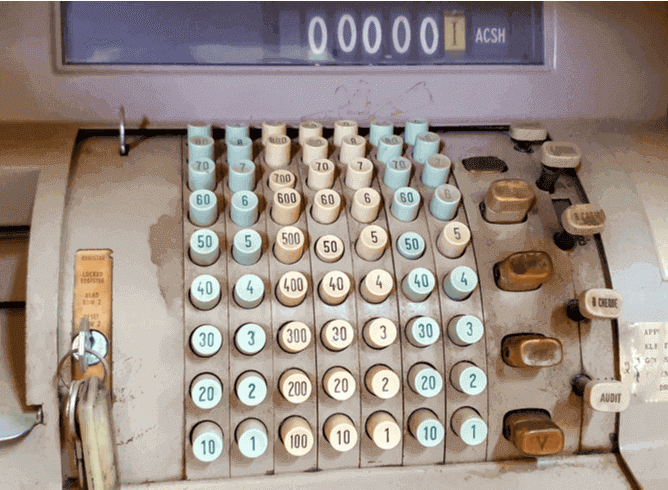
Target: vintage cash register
<point>286,244</point>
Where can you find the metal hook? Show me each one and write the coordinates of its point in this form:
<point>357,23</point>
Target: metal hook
<point>123,149</point>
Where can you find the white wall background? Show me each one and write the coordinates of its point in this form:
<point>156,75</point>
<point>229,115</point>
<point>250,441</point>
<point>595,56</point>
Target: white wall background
<point>612,61</point>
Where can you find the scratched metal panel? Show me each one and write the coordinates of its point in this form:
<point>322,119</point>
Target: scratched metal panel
<point>131,205</point>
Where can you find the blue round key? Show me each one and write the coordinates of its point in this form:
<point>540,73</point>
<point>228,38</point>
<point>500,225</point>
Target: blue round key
<point>239,149</point>
<point>247,248</point>
<point>418,284</point>
<point>379,129</point>
<point>249,291</point>
<point>414,127</point>
<point>436,170</point>
<point>425,380</point>
<point>423,331</point>
<point>200,147</point>
<point>460,283</point>
<point>444,203</point>
<point>252,438</point>
<point>411,245</point>
<point>234,131</point>
<point>201,174</point>
<point>465,330</point>
<point>199,129</point>
<point>430,433</point>
<point>389,147</point>
<point>251,388</point>
<point>250,339</point>
<point>397,173</point>
<point>244,208</point>
<point>405,204</point>
<point>426,145</point>
<point>241,176</point>
<point>203,208</point>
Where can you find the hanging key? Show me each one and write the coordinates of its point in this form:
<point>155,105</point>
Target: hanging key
<point>96,431</point>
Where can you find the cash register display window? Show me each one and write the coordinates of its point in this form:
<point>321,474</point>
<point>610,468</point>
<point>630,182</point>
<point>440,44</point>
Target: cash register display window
<point>302,33</point>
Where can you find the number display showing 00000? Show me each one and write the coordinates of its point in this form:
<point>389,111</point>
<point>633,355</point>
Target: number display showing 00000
<point>318,34</point>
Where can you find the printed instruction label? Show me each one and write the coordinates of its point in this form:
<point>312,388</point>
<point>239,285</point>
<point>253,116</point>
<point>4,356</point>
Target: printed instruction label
<point>92,299</point>
<point>644,360</point>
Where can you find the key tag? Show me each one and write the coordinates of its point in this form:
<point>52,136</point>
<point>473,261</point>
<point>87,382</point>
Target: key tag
<point>96,430</point>
<point>89,425</point>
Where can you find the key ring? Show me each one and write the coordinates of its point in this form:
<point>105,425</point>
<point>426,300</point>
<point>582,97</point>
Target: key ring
<point>76,351</point>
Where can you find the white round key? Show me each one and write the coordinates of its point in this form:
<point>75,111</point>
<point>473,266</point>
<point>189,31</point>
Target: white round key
<point>292,288</point>
<point>277,151</point>
<point>329,248</point>
<point>380,333</point>
<point>272,128</point>
<point>294,337</point>
<point>469,426</point>
<point>314,149</point>
<point>205,292</point>
<point>340,432</point>
<point>295,386</point>
<point>336,335</point>
<point>203,208</point>
<point>352,147</point>
<point>206,391</point>
<point>454,239</point>
<point>372,243</point>
<point>334,288</point>
<point>207,441</point>
<point>342,129</point>
<point>206,341</point>
<point>309,129</point>
<point>321,174</point>
<point>289,245</point>
<point>377,286</point>
<point>359,173</point>
<point>383,430</point>
<point>326,206</point>
<point>366,205</point>
<point>339,384</point>
<point>281,179</point>
<point>468,378</point>
<point>381,381</point>
<point>297,436</point>
<point>204,247</point>
<point>286,206</point>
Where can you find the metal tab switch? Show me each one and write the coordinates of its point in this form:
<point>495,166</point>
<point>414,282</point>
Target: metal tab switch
<point>533,432</point>
<point>531,350</point>
<point>523,271</point>
<point>508,201</point>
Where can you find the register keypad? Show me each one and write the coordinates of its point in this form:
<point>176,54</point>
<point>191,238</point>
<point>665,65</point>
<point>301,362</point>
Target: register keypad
<point>334,315</point>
